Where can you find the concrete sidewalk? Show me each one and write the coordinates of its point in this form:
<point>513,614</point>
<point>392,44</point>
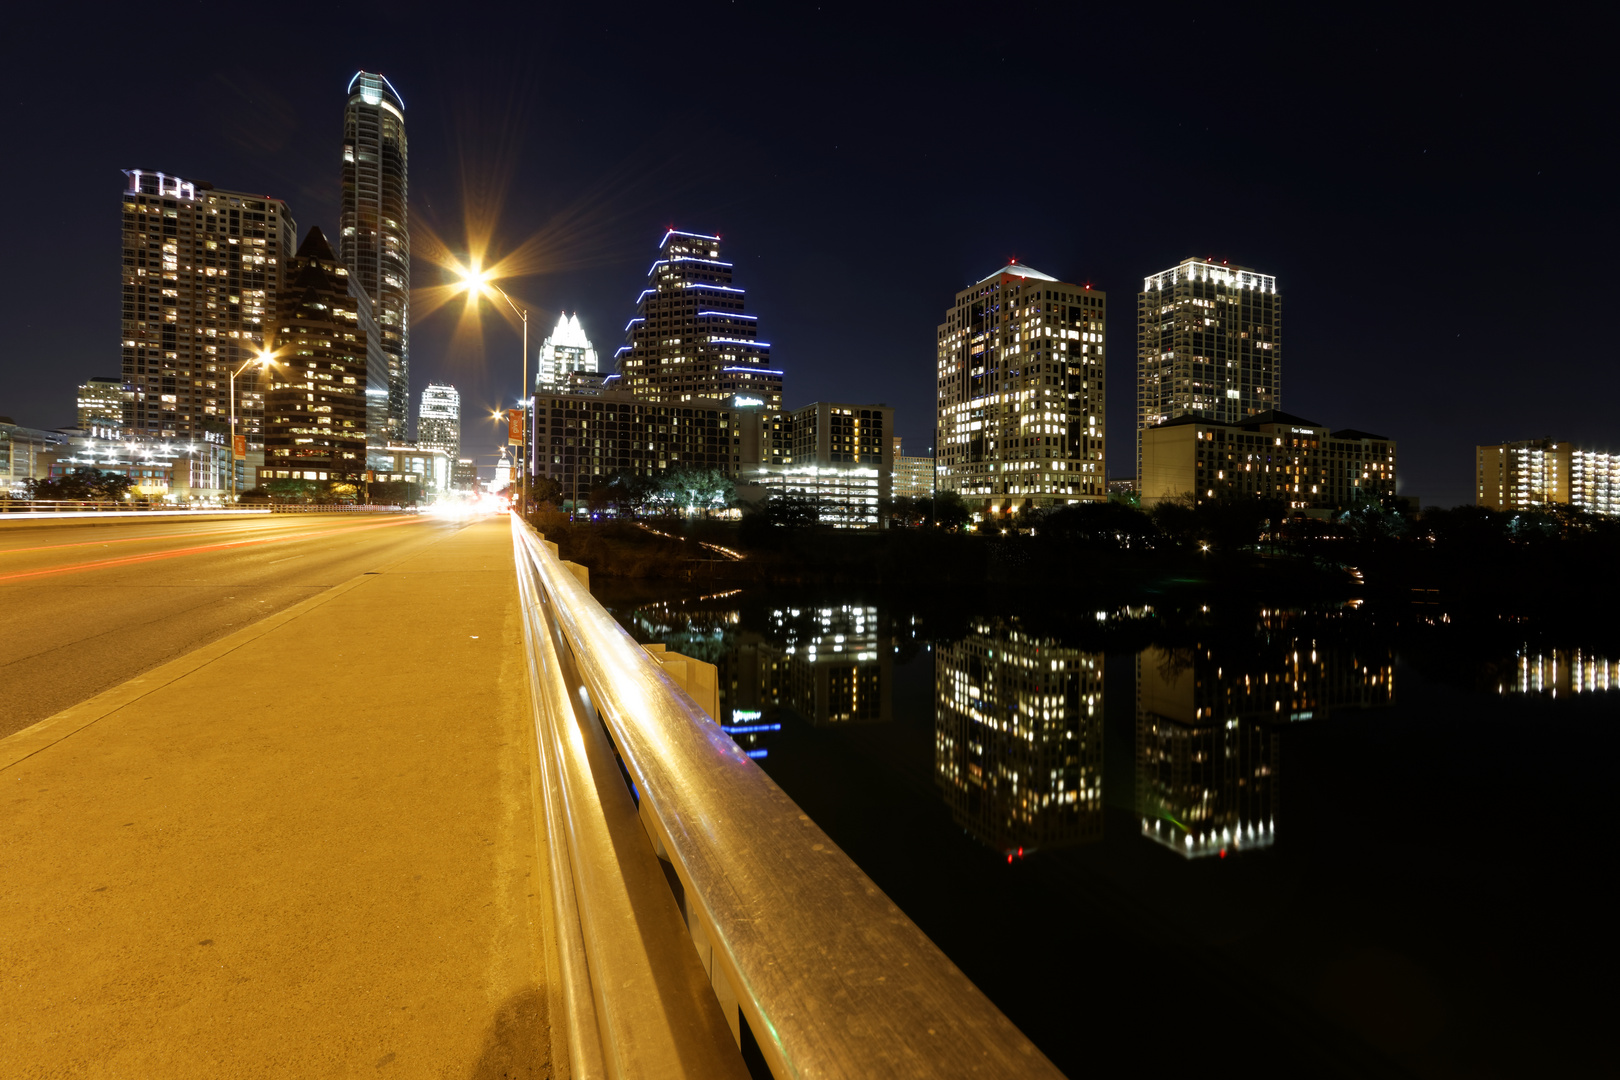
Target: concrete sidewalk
<point>306,850</point>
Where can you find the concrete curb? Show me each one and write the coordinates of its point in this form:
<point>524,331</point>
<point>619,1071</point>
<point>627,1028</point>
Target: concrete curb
<point>24,744</point>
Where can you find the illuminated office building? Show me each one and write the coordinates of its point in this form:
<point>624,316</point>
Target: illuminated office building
<point>1273,455</point>
<point>101,406</point>
<point>1209,345</point>
<point>1020,380</point>
<point>316,408</point>
<point>202,275</point>
<point>839,456</point>
<point>1538,474</point>
<point>1018,738</point>
<point>690,338</point>
<point>158,469</point>
<point>438,420</point>
<point>374,239</point>
<point>913,476</point>
<point>566,350</point>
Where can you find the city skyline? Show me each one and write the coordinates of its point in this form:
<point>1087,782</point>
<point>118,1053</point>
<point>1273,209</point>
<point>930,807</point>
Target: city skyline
<point>1380,161</point>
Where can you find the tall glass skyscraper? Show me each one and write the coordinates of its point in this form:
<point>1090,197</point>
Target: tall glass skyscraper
<point>375,241</point>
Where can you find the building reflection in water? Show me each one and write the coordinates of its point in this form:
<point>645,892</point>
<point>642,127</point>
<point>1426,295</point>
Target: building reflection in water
<point>829,665</point>
<point>1018,738</point>
<point>1560,672</point>
<point>1208,723</point>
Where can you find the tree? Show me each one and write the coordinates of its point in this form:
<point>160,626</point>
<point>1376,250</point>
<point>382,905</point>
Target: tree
<point>690,491</point>
<point>84,482</point>
<point>905,511</point>
<point>948,511</point>
<point>288,489</point>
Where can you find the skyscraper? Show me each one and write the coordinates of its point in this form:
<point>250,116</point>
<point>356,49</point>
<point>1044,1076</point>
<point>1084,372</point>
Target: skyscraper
<point>1209,344</point>
<point>1020,420</point>
<point>438,422</point>
<point>316,408</point>
<point>375,239</point>
<point>567,349</point>
<point>202,269</point>
<point>689,338</point>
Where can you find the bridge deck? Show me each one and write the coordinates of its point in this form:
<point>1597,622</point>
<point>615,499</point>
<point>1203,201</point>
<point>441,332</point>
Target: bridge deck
<point>307,849</point>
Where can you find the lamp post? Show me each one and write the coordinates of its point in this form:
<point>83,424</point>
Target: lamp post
<point>264,360</point>
<point>476,282</point>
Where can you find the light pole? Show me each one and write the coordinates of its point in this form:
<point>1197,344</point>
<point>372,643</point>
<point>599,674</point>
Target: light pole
<point>264,360</point>
<point>477,281</point>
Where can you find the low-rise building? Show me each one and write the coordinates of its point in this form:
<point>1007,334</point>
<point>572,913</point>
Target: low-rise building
<point>171,470</point>
<point>26,454</point>
<point>1542,473</point>
<point>1272,455</point>
<point>841,457</point>
<point>429,467</point>
<point>913,476</point>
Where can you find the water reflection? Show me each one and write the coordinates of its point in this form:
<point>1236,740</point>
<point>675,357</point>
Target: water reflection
<point>1560,672</point>
<point>1018,738</point>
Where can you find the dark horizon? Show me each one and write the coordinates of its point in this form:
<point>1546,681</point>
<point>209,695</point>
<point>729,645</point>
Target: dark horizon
<point>1431,195</point>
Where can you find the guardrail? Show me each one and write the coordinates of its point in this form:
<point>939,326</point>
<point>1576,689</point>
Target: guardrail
<point>45,506</point>
<point>698,909</point>
<point>332,508</point>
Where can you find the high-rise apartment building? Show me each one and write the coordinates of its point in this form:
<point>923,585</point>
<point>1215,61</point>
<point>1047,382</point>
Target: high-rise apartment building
<point>690,338</point>
<point>374,238</point>
<point>202,272</point>
<point>101,406</point>
<point>438,421</point>
<point>566,350</point>
<point>1536,474</point>
<point>316,409</point>
<point>1020,419</point>
<point>1209,344</point>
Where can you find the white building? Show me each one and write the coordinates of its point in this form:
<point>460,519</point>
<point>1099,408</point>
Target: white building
<point>567,349</point>
<point>438,422</point>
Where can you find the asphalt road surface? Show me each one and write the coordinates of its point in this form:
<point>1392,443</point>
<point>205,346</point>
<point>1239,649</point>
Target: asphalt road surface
<point>85,606</point>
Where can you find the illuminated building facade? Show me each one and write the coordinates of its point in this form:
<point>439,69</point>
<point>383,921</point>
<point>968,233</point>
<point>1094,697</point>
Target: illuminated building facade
<point>1541,473</point>
<point>316,408</point>
<point>1018,738</point>
<point>566,350</point>
<point>1273,455</point>
<point>838,455</point>
<point>913,476</point>
<point>202,276</point>
<point>690,338</point>
<point>158,469</point>
<point>438,420</point>
<point>1020,420</point>
<point>1209,345</point>
<point>26,454</point>
<point>374,238</point>
<point>101,406</point>
<point>430,468</point>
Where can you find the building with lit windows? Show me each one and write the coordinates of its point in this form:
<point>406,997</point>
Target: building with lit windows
<point>1538,474</point>
<point>101,406</point>
<point>1209,345</point>
<point>316,408</point>
<point>913,476</point>
<point>158,469</point>
<point>374,235</point>
<point>26,454</point>
<point>840,456</point>
<point>566,350</point>
<point>438,420</point>
<point>1018,738</point>
<point>430,468</point>
<point>690,338</point>
<point>1020,408</point>
<point>202,275</point>
<point>1273,455</point>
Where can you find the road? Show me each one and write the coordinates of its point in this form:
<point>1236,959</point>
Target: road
<point>85,606</point>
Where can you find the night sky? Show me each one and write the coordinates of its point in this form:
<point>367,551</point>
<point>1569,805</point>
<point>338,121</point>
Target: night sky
<point>1435,194</point>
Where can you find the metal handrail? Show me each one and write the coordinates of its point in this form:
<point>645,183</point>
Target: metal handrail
<point>832,978</point>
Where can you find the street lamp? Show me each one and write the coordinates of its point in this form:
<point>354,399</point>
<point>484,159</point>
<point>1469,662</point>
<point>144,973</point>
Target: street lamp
<point>264,360</point>
<point>476,281</point>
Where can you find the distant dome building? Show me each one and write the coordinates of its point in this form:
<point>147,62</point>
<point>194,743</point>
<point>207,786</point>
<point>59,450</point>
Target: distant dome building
<point>566,350</point>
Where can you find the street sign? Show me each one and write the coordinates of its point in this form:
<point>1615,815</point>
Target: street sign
<point>239,447</point>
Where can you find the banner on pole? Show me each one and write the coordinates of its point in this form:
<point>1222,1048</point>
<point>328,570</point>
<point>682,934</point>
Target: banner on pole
<point>239,447</point>
<point>514,427</point>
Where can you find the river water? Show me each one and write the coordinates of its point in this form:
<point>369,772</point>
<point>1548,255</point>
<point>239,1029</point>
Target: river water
<point>1332,841</point>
